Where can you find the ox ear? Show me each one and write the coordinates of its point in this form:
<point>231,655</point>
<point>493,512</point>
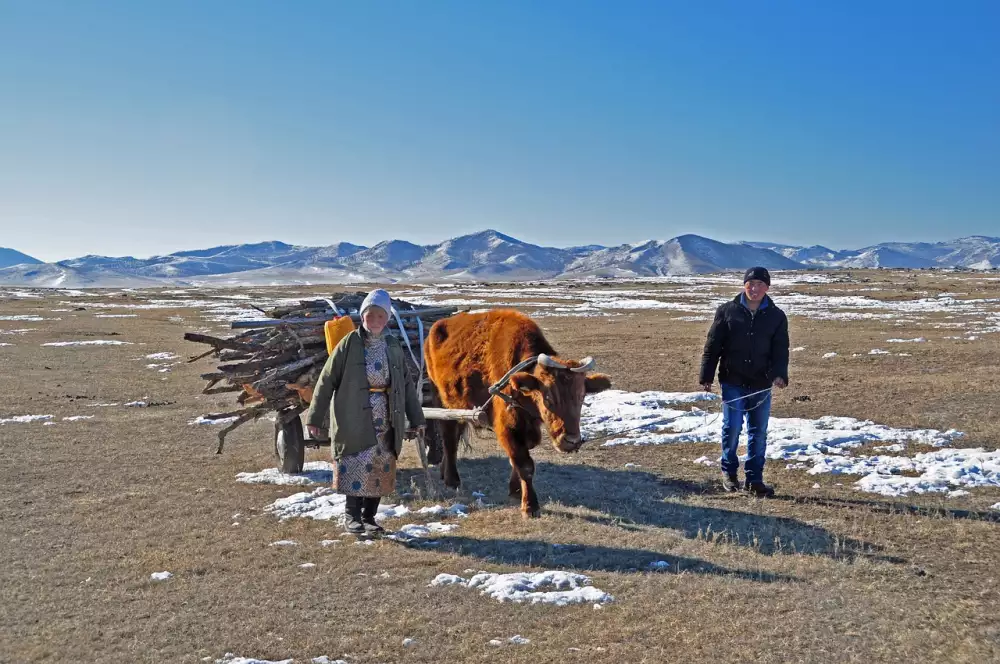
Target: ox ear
<point>524,382</point>
<point>598,383</point>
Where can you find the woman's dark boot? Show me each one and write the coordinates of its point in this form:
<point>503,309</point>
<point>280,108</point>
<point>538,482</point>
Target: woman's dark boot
<point>352,510</point>
<point>369,510</point>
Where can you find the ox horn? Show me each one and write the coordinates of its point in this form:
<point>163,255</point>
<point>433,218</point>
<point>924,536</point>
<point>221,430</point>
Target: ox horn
<point>547,361</point>
<point>586,364</point>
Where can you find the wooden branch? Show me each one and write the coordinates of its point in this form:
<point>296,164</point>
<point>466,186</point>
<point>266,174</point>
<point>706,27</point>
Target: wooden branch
<point>198,357</point>
<point>319,320</point>
<point>246,416</point>
<point>254,367</point>
<point>221,390</point>
<point>290,368</point>
<point>219,343</point>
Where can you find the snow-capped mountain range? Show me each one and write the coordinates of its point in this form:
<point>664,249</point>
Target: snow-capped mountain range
<point>484,256</point>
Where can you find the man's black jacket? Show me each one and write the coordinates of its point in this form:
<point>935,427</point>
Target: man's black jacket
<point>751,350</point>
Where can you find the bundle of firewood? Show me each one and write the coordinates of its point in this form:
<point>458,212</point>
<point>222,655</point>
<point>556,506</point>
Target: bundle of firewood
<point>273,363</point>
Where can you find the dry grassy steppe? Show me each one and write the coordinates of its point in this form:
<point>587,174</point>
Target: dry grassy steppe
<point>90,508</point>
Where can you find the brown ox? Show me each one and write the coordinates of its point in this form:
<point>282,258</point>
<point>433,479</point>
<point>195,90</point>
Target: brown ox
<point>467,353</point>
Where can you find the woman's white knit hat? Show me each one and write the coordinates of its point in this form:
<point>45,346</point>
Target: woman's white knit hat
<point>377,298</point>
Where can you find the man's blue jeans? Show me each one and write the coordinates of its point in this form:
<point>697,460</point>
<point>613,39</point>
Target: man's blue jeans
<point>756,410</point>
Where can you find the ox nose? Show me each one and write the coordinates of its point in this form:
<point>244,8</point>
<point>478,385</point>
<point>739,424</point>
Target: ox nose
<point>570,442</point>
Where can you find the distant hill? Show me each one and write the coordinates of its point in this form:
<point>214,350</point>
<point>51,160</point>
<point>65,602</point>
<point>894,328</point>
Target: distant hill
<point>10,257</point>
<point>484,256</point>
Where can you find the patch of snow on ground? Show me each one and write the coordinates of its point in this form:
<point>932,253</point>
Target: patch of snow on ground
<point>116,315</point>
<point>918,340</point>
<point>457,509</point>
<point>421,531</point>
<point>284,543</point>
<point>161,356</point>
<point>821,445</point>
<point>201,419</point>
<point>230,658</point>
<point>24,419</point>
<point>829,355</point>
<point>878,351</point>
<point>313,472</point>
<point>76,418</point>
<point>321,505</point>
<point>94,342</point>
<point>550,587</point>
<point>160,576</point>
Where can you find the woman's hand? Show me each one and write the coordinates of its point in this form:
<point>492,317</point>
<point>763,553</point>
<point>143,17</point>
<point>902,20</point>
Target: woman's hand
<point>314,431</point>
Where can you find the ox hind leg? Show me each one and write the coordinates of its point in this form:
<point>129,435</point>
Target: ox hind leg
<point>523,467</point>
<point>450,434</point>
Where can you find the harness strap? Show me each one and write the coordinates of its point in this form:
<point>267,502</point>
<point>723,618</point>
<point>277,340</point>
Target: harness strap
<point>495,388</point>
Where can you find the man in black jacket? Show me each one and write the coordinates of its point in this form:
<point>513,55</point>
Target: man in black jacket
<point>748,341</point>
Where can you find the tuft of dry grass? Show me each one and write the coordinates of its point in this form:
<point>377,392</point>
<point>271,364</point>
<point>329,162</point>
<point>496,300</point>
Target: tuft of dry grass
<point>89,509</point>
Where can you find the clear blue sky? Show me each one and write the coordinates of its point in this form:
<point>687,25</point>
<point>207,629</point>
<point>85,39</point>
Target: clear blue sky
<point>149,127</point>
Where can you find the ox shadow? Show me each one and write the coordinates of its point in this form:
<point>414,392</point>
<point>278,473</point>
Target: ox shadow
<point>632,500</point>
<point>585,557</point>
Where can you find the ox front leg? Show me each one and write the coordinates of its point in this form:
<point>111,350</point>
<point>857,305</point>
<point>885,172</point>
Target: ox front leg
<point>514,483</point>
<point>524,467</point>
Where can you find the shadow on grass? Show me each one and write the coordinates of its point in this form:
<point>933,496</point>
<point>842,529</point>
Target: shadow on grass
<point>632,500</point>
<point>583,557</point>
<point>892,507</point>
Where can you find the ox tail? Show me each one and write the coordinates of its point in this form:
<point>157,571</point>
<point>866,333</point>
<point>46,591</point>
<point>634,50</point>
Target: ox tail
<point>465,429</point>
<point>465,437</point>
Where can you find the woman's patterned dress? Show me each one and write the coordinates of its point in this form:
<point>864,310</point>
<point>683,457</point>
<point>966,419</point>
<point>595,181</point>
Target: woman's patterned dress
<point>371,473</point>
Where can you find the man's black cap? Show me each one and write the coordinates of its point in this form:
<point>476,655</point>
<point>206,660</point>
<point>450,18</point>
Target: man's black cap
<point>759,273</point>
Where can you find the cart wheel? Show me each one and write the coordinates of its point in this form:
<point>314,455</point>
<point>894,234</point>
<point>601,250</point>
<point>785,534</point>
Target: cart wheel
<point>289,445</point>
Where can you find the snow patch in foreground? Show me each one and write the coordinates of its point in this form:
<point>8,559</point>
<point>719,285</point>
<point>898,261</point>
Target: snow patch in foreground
<point>323,504</point>
<point>550,587</point>
<point>94,342</point>
<point>230,658</point>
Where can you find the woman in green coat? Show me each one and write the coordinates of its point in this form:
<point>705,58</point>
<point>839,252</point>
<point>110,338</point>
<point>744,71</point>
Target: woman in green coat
<point>365,387</point>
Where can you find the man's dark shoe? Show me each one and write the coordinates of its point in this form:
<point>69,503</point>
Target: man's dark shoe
<point>759,490</point>
<point>730,483</point>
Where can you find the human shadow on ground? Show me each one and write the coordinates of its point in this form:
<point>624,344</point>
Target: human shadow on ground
<point>892,507</point>
<point>631,500</point>
<point>583,557</point>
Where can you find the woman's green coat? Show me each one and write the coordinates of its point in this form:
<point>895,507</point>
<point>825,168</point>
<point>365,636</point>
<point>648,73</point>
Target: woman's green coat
<point>343,390</point>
